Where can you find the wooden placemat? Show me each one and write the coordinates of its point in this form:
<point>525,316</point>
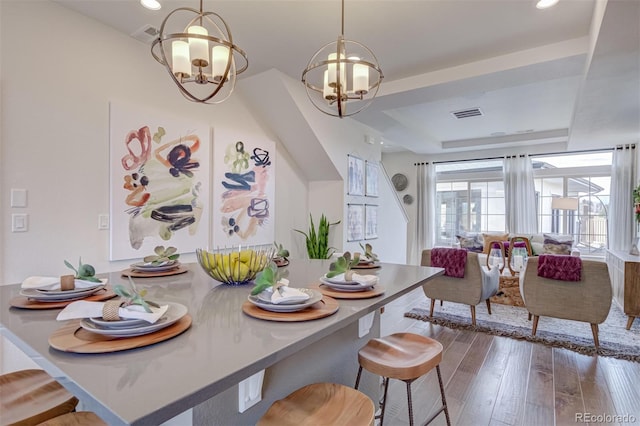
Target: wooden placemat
<point>375,291</point>
<point>73,338</point>
<point>25,303</point>
<point>366,266</point>
<point>139,274</point>
<point>315,311</point>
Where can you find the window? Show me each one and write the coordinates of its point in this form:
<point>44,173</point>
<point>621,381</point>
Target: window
<point>469,198</point>
<point>584,182</point>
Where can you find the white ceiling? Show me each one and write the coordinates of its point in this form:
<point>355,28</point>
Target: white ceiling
<point>538,76</point>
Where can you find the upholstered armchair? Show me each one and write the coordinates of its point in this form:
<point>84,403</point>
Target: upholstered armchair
<point>587,300</point>
<point>478,284</point>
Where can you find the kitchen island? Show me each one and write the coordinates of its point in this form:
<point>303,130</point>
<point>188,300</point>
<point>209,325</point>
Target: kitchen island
<point>202,367</point>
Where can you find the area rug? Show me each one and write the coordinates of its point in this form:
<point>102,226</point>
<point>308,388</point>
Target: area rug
<point>511,321</point>
<point>509,293</point>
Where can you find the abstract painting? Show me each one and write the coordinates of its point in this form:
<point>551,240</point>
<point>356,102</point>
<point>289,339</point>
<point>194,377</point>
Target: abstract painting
<point>159,182</point>
<point>356,175</point>
<point>355,222</point>
<point>371,222</point>
<point>371,180</point>
<point>244,189</point>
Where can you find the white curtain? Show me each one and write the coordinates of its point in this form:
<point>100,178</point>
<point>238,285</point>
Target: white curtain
<point>520,195</point>
<point>621,218</point>
<point>426,210</point>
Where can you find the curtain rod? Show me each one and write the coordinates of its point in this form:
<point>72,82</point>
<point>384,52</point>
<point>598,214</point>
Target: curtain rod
<point>632,146</point>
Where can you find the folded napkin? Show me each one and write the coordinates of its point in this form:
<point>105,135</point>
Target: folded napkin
<point>53,283</point>
<point>86,309</point>
<point>287,294</point>
<point>363,280</point>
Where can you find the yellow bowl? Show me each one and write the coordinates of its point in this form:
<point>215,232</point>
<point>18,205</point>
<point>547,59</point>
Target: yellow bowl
<point>235,265</point>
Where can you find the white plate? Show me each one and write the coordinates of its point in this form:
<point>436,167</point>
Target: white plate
<point>173,314</point>
<point>46,297</point>
<point>345,287</point>
<point>75,290</point>
<point>316,296</point>
<point>338,281</point>
<point>123,323</point>
<point>147,267</point>
<point>265,297</point>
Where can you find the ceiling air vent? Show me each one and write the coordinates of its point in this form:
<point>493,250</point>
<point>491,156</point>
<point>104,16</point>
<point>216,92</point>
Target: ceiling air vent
<point>466,113</point>
<point>146,34</point>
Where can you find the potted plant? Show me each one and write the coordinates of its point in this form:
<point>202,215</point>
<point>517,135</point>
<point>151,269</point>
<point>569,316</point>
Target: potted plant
<point>343,265</point>
<point>318,241</point>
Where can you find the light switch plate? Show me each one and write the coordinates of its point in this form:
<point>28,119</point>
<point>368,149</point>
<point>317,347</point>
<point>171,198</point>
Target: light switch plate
<point>250,391</point>
<point>103,221</point>
<point>365,323</point>
<point>18,197</point>
<point>19,222</point>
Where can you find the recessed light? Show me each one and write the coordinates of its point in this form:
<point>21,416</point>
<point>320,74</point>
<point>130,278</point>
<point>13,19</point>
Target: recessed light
<point>151,4</point>
<point>543,4</point>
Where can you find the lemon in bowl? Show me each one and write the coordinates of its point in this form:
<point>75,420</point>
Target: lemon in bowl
<point>235,265</point>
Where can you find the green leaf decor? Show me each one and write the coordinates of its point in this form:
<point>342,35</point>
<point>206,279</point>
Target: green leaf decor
<point>318,241</point>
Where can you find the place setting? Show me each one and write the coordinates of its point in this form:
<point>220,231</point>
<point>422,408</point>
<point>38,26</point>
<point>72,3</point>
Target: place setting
<point>343,283</point>
<point>163,263</point>
<point>41,292</point>
<point>124,323</point>
<point>368,260</point>
<point>280,257</point>
<point>273,299</point>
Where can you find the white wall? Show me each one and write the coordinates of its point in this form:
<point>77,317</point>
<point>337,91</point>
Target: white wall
<point>320,144</point>
<point>55,134</point>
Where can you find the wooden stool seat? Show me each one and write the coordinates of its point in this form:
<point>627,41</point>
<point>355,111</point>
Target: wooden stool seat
<point>401,356</point>
<point>406,357</point>
<point>321,404</point>
<point>79,418</point>
<point>30,397</point>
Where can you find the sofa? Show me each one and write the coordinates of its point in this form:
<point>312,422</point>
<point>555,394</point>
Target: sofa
<point>541,243</point>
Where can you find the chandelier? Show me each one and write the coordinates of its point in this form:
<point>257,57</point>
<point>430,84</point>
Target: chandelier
<point>199,56</point>
<point>342,72</point>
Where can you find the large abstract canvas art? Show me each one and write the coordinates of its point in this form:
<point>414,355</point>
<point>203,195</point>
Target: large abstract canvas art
<point>244,189</point>
<point>159,167</point>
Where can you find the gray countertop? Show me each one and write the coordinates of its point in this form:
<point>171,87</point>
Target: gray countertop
<point>223,346</point>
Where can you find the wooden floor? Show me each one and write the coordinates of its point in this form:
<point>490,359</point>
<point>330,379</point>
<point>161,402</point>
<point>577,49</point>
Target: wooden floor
<point>492,380</point>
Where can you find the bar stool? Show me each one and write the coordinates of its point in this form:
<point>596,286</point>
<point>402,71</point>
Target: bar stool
<point>29,397</point>
<point>406,357</point>
<point>78,418</point>
<point>321,404</point>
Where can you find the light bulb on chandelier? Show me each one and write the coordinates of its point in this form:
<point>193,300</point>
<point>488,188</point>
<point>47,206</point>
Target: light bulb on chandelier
<point>350,74</point>
<point>199,56</point>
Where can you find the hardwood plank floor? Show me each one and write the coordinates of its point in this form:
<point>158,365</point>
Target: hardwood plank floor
<point>493,380</point>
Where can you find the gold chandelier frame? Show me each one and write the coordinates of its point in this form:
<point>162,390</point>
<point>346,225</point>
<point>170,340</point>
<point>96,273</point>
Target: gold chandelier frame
<point>200,78</point>
<point>337,97</point>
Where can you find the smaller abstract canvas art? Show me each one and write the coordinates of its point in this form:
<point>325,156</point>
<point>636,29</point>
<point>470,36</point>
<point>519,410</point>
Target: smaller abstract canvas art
<point>355,222</point>
<point>356,175</point>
